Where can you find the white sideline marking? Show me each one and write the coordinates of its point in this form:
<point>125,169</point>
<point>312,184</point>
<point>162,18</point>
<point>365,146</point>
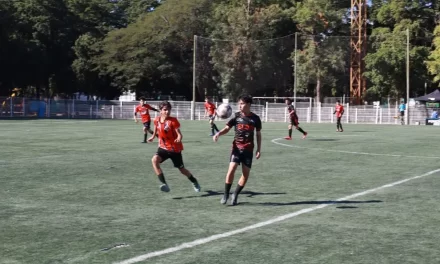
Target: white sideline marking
<point>202,241</point>
<point>353,152</point>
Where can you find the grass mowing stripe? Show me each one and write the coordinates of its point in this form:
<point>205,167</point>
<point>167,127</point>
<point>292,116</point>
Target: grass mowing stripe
<point>265,223</point>
<point>353,152</point>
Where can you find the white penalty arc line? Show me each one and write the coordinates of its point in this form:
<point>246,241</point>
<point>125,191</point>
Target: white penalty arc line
<point>353,152</point>
<point>202,241</point>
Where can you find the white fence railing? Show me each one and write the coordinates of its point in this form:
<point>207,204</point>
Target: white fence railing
<point>269,112</point>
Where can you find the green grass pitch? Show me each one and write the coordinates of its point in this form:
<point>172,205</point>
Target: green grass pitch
<point>72,191</point>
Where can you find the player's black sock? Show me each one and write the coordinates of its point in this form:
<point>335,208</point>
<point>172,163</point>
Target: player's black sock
<point>162,178</point>
<point>301,130</point>
<point>228,188</point>
<point>215,127</point>
<point>238,190</point>
<point>340,125</point>
<point>145,137</point>
<point>192,179</point>
<point>290,132</point>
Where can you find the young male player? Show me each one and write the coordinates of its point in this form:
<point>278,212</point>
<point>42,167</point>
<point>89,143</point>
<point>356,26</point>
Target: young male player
<point>339,111</point>
<point>245,122</point>
<point>143,108</point>
<point>293,120</point>
<point>210,110</point>
<point>402,108</point>
<point>167,129</point>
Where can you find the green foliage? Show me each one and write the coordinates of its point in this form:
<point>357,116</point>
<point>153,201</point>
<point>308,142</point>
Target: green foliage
<point>433,62</point>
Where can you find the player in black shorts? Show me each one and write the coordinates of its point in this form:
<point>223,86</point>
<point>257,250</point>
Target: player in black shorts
<point>245,123</point>
<point>293,120</point>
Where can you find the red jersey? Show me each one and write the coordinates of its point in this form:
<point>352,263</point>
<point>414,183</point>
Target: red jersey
<point>339,109</point>
<point>210,107</point>
<point>166,133</point>
<point>143,109</point>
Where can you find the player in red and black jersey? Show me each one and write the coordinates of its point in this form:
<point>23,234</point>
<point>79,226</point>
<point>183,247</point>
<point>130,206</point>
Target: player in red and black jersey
<point>245,123</point>
<point>339,111</point>
<point>210,110</point>
<point>143,108</point>
<point>293,120</point>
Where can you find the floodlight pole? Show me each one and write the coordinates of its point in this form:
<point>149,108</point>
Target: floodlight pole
<point>193,104</point>
<point>295,80</point>
<point>407,76</point>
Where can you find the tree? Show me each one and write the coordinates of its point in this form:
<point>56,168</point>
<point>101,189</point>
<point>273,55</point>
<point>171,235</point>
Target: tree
<point>433,62</point>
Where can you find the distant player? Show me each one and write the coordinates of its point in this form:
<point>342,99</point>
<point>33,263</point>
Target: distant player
<point>339,111</point>
<point>210,110</point>
<point>143,108</point>
<point>293,120</point>
<point>402,108</point>
<point>244,122</point>
<point>167,129</point>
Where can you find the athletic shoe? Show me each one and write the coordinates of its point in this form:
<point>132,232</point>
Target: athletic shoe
<point>164,188</point>
<point>342,130</point>
<point>305,135</point>
<point>287,138</point>
<point>211,135</point>
<point>144,142</point>
<point>197,187</point>
<point>224,199</point>
<point>234,200</point>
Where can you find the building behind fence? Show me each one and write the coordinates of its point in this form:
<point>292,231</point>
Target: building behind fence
<point>268,111</point>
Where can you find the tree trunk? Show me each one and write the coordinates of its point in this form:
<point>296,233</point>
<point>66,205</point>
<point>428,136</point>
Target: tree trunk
<point>318,90</point>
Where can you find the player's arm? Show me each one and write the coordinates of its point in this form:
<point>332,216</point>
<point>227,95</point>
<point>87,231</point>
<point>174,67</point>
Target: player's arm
<point>221,132</point>
<point>152,108</point>
<point>342,111</point>
<point>135,116</point>
<point>179,135</point>
<point>258,153</point>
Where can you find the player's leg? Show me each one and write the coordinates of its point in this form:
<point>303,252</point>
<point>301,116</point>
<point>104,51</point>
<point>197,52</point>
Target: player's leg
<point>289,137</point>
<point>147,125</point>
<point>157,159</point>
<point>229,180</point>
<point>296,124</point>
<point>178,163</point>
<point>337,124</point>
<point>340,124</point>
<point>145,129</point>
<point>246,158</point>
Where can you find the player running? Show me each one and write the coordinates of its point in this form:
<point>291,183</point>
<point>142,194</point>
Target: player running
<point>167,129</point>
<point>210,110</point>
<point>143,108</point>
<point>245,122</point>
<point>293,120</point>
<point>339,111</point>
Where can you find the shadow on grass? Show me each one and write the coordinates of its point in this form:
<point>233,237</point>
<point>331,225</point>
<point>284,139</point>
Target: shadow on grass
<point>322,202</point>
<point>209,193</point>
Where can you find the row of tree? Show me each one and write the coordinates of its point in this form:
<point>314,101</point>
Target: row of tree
<point>106,47</point>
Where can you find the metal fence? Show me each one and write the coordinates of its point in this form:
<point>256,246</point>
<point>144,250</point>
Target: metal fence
<point>269,112</point>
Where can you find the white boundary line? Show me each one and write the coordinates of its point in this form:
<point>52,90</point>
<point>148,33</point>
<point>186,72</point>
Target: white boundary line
<point>202,241</point>
<point>353,152</point>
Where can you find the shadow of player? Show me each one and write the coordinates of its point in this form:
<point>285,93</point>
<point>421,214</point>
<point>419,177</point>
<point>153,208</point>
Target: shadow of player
<point>209,193</point>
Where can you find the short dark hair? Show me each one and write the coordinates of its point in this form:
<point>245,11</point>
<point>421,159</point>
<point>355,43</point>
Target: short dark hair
<point>338,101</point>
<point>163,104</point>
<point>245,98</point>
<point>288,99</point>
<point>142,98</point>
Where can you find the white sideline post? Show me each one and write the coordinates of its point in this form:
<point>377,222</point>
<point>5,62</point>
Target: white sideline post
<point>193,109</point>
<point>285,114</point>
<point>267,111</point>
<point>356,116</point>
<point>380,115</point>
<point>309,113</point>
<point>177,112</point>
<point>319,112</point>
<point>331,115</point>
<point>113,112</point>
<point>91,111</point>
<point>377,115</point>
<point>348,113</point>
<point>120,109</point>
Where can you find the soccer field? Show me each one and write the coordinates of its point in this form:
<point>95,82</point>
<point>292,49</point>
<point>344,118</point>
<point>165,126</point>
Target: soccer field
<point>77,191</point>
